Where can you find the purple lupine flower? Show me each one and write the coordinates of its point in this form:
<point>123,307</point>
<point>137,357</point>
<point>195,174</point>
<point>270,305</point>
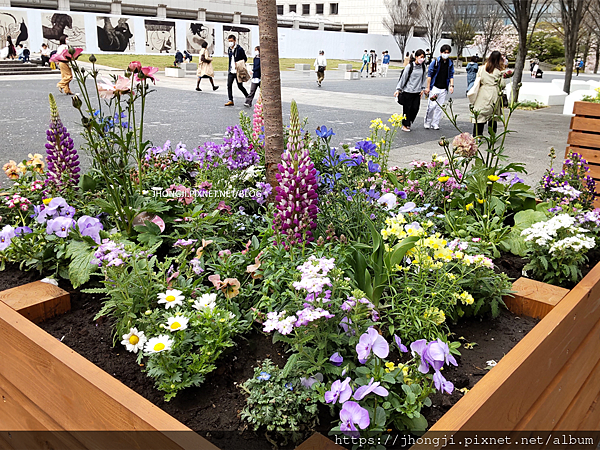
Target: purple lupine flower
<point>63,161</point>
<point>373,386</point>
<point>60,226</point>
<point>401,346</point>
<point>340,390</point>
<point>296,199</point>
<point>336,359</point>
<point>353,414</point>
<point>90,226</point>
<point>6,235</point>
<point>372,341</point>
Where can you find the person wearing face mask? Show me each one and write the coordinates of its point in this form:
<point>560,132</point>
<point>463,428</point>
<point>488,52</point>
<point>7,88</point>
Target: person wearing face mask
<point>255,77</point>
<point>65,71</point>
<point>440,81</point>
<point>236,53</point>
<point>410,88</point>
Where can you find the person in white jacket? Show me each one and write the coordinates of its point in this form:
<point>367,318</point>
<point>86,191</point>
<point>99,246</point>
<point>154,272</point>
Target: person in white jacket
<point>320,66</point>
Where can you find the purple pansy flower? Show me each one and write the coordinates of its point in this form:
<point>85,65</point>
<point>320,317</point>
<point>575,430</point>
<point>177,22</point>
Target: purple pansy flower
<point>371,341</point>
<point>336,359</point>
<point>401,346</point>
<point>22,231</point>
<point>90,226</point>
<point>60,226</point>
<point>441,384</point>
<point>353,414</point>
<point>6,235</point>
<point>340,390</point>
<point>374,387</point>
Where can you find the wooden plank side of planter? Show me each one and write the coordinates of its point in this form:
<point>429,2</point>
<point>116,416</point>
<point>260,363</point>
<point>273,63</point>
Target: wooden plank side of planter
<point>38,301</point>
<point>585,124</point>
<point>78,395</point>
<point>580,139</point>
<point>586,109</point>
<point>507,393</point>
<point>534,299</point>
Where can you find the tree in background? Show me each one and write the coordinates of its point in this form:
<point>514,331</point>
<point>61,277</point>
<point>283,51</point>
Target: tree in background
<point>462,21</point>
<point>462,35</point>
<point>270,87</point>
<point>491,27</point>
<point>524,15</point>
<point>546,46</point>
<point>433,20</point>
<point>591,22</point>
<point>571,12</point>
<point>401,20</point>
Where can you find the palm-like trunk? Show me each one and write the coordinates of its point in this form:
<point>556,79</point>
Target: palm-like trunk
<point>271,87</point>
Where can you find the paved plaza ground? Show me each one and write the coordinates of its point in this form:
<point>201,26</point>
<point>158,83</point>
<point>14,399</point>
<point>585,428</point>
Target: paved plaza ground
<point>175,111</point>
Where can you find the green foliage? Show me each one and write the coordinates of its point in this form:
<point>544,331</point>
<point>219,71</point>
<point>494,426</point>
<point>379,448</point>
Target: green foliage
<point>545,46</point>
<point>514,242</point>
<point>277,402</point>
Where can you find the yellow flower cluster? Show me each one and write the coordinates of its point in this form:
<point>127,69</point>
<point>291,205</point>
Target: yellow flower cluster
<point>376,124</point>
<point>396,120</point>
<point>465,298</point>
<point>390,367</point>
<point>436,315</point>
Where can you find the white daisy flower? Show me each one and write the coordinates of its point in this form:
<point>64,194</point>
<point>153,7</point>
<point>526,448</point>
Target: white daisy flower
<point>134,340</point>
<point>171,298</point>
<point>206,301</point>
<point>158,344</point>
<point>177,323</point>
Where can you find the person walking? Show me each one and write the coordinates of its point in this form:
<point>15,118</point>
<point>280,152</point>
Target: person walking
<point>373,63</point>
<point>428,56</point>
<point>536,67</point>
<point>488,104</point>
<point>12,51</point>
<point>320,67</point>
<point>410,88</point>
<point>385,64</point>
<point>205,68</point>
<point>236,54</point>
<point>440,82</point>
<point>472,69</point>
<point>187,57</point>
<point>580,66</point>
<point>365,62</point>
<point>255,77</point>
<point>65,71</point>
<point>406,60</point>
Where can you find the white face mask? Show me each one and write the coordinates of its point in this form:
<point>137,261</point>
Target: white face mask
<point>231,44</point>
<point>445,55</point>
<point>256,54</point>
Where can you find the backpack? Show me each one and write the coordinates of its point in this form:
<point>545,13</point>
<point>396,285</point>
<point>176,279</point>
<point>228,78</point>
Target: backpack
<point>410,71</point>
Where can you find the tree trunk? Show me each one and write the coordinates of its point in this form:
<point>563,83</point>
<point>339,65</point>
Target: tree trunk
<point>597,54</point>
<point>271,88</point>
<point>519,63</point>
<point>570,50</point>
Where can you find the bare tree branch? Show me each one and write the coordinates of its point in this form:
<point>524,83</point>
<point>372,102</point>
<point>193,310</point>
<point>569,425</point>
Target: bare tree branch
<point>433,18</point>
<point>403,16</point>
<point>491,27</point>
<point>571,12</point>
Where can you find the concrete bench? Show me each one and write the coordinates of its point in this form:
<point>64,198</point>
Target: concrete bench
<point>547,94</point>
<point>345,67</point>
<point>189,67</point>
<point>301,67</point>
<point>576,85</point>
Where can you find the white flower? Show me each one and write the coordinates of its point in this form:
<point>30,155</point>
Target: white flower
<point>134,340</point>
<point>177,323</point>
<point>390,200</point>
<point>171,298</point>
<point>158,344</point>
<point>205,301</point>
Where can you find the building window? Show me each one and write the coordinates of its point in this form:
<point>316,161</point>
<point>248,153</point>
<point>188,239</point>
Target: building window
<point>293,8</point>
<point>280,10</point>
<point>333,8</point>
<point>320,8</point>
<point>306,9</point>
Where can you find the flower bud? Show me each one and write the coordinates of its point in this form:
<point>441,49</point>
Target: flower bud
<point>92,58</point>
<point>76,102</point>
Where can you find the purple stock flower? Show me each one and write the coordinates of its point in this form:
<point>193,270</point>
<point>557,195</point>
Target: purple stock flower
<point>340,390</point>
<point>441,384</point>
<point>60,226</point>
<point>263,190</point>
<point>353,414</point>
<point>90,226</point>
<point>336,359</point>
<point>237,150</point>
<point>371,341</point>
<point>374,387</point>
<point>63,161</point>
<point>401,346</point>
<point>296,199</point>
<point>6,235</point>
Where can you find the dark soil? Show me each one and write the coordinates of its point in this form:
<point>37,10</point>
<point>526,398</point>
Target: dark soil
<point>510,264</point>
<point>213,408</point>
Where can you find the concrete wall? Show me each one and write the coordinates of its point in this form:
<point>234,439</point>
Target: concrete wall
<point>293,43</point>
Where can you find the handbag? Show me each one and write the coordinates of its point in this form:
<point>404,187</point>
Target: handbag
<point>241,71</point>
<point>472,94</point>
<point>400,98</point>
<point>321,69</point>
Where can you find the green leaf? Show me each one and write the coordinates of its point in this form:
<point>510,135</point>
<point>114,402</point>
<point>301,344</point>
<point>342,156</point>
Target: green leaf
<point>88,183</point>
<point>380,418</point>
<point>80,268</point>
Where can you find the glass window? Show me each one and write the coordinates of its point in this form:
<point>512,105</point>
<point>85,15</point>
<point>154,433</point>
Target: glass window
<point>333,8</point>
<point>280,10</point>
<point>306,9</point>
<point>293,8</point>
<point>320,8</point>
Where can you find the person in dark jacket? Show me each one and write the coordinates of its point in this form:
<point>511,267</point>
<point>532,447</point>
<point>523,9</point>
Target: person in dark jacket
<point>472,69</point>
<point>255,77</point>
<point>187,56</point>
<point>236,53</point>
<point>12,51</point>
<point>440,83</point>
<point>178,58</point>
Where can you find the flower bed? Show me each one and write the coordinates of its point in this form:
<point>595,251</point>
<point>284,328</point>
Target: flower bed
<point>358,270</point>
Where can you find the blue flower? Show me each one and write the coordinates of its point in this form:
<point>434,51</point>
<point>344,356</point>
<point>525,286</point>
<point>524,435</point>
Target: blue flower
<point>374,167</point>
<point>331,160</point>
<point>368,148</point>
<point>324,133</point>
<point>352,160</point>
<point>264,376</point>
<point>372,194</point>
<point>289,386</point>
<point>22,231</point>
<point>400,193</point>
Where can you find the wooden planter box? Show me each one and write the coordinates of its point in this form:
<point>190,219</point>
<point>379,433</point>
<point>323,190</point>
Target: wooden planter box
<point>584,138</point>
<point>548,381</point>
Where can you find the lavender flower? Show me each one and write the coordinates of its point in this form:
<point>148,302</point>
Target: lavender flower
<point>60,226</point>
<point>90,226</point>
<point>22,231</point>
<point>296,199</point>
<point>374,387</point>
<point>401,346</point>
<point>340,390</point>
<point>372,341</point>
<point>63,160</point>
<point>6,235</point>
<point>353,414</point>
<point>263,190</point>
